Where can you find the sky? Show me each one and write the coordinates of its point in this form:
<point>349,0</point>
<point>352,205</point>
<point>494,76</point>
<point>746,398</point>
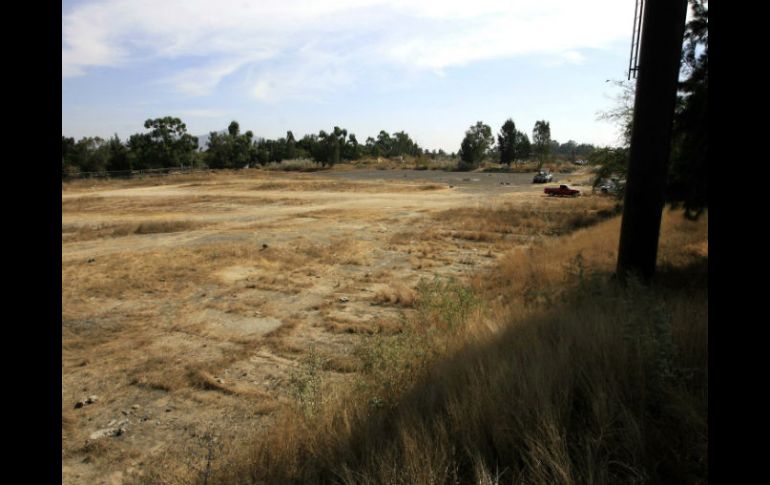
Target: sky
<point>431,68</point>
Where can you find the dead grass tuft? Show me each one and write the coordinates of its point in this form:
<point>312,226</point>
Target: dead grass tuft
<point>396,295</point>
<point>349,327</point>
<point>341,363</point>
<point>202,379</point>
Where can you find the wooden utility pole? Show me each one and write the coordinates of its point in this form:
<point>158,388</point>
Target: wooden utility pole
<point>656,86</point>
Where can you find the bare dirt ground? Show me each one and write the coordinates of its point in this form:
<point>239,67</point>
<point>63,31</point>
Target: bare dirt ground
<point>189,305</point>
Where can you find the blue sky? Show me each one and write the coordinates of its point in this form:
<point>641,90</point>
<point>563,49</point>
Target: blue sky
<point>431,68</point>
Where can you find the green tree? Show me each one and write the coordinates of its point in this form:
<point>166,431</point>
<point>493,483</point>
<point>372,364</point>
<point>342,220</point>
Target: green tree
<point>584,150</point>
<point>231,150</point>
<point>166,145</point>
<point>234,129</point>
<point>506,142</point>
<point>687,183</point>
<point>90,154</point>
<point>523,146</point>
<point>308,144</point>
<point>568,149</point>
<point>242,151</point>
<point>351,150</point>
<point>141,152</point>
<point>328,149</point>
<point>218,150</point>
<point>117,159</point>
<point>384,144</point>
<point>402,145</point>
<point>291,146</point>
<point>541,141</point>
<point>611,164</point>
<point>264,152</point>
<point>68,164</point>
<point>370,148</point>
<point>474,146</point>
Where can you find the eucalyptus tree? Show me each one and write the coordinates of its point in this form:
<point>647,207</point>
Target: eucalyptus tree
<point>541,141</point>
<point>475,145</point>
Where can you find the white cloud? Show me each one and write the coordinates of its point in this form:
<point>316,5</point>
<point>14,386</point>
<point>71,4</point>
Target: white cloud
<point>303,47</point>
<point>203,79</point>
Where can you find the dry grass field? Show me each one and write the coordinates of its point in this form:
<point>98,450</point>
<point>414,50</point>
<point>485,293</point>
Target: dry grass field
<point>205,310</point>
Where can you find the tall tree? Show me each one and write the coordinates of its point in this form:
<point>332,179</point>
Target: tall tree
<point>351,150</point>
<point>217,153</point>
<point>523,146</point>
<point>141,152</point>
<point>291,146</point>
<point>384,143</point>
<point>506,142</point>
<point>231,149</point>
<point>234,129</point>
<point>167,144</point>
<point>404,145</point>
<point>117,159</point>
<point>651,136</point>
<point>474,146</point>
<point>688,174</point>
<point>328,149</point>
<point>541,141</point>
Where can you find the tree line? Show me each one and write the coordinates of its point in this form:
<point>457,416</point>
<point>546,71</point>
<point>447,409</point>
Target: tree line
<point>167,144</point>
<point>513,145</point>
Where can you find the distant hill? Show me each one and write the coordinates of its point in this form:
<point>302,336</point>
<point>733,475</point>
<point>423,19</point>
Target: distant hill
<point>203,140</point>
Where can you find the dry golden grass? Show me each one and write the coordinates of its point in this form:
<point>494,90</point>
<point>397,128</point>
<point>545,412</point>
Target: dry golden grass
<point>205,380</point>
<point>341,363</point>
<point>544,218</point>
<point>160,205</point>
<point>158,318</point>
<point>584,382</point>
<point>398,294</point>
<point>332,185</point>
<point>150,181</point>
<point>86,233</point>
<point>181,318</point>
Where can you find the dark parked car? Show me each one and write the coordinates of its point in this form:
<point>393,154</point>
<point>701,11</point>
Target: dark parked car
<point>543,177</point>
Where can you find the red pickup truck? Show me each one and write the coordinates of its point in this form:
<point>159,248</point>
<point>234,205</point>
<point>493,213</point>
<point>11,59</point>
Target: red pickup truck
<point>561,191</point>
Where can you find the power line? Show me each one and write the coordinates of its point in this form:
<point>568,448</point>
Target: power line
<point>636,35</point>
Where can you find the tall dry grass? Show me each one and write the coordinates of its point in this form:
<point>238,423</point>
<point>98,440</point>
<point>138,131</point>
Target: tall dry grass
<point>108,230</point>
<point>542,371</point>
